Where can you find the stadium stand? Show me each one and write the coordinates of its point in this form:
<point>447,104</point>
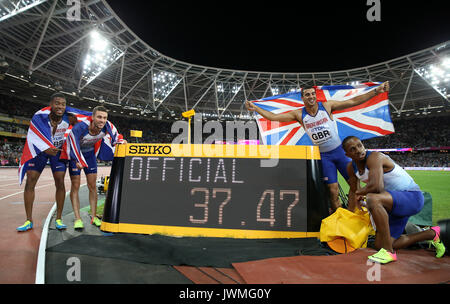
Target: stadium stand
<point>430,134</point>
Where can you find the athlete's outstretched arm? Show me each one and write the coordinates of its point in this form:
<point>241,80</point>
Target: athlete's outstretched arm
<point>355,101</point>
<point>284,117</point>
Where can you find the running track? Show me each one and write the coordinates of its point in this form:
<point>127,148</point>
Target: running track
<point>19,251</point>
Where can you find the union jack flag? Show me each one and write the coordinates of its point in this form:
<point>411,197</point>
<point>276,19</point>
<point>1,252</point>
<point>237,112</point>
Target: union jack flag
<point>104,149</point>
<point>370,119</point>
<point>39,138</point>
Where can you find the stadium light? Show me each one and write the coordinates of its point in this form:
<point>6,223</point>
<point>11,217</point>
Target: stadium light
<point>244,116</point>
<point>228,87</point>
<point>164,82</point>
<point>232,87</point>
<point>275,90</point>
<point>283,89</point>
<point>100,55</point>
<point>226,92</point>
<point>438,76</point>
<point>9,9</point>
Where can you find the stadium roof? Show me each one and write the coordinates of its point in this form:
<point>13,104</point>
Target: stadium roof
<point>93,54</point>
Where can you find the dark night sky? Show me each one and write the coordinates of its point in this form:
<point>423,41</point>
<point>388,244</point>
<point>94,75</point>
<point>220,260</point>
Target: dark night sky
<point>285,36</point>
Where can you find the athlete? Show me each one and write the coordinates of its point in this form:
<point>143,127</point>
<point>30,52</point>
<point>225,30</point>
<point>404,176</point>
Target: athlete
<point>57,121</point>
<point>391,195</point>
<point>81,142</point>
<point>317,120</point>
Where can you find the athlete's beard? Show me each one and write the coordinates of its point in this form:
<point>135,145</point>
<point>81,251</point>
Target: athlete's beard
<point>98,126</point>
<point>55,117</point>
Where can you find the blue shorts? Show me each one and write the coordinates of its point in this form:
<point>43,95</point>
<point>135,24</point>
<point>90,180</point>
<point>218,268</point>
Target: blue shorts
<point>91,161</point>
<point>406,204</point>
<point>38,163</point>
<point>333,161</point>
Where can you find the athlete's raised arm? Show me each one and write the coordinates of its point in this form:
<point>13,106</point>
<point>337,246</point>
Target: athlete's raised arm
<point>282,117</point>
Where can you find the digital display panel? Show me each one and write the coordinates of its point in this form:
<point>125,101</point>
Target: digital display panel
<point>215,192</point>
<point>157,187</point>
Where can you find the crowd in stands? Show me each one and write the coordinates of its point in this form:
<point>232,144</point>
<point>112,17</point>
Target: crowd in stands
<point>13,128</point>
<point>411,133</point>
<point>10,151</point>
<point>421,159</point>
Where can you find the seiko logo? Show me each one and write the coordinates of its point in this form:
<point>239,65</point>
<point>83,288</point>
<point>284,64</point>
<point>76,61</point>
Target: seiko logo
<point>150,149</point>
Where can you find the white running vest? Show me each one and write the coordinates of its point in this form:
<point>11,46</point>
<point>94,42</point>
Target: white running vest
<point>321,129</point>
<point>58,137</point>
<point>395,180</point>
<point>88,141</point>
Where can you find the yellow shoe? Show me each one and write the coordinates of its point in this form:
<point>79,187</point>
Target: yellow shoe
<point>78,224</point>
<point>437,243</point>
<point>383,257</point>
<point>96,221</point>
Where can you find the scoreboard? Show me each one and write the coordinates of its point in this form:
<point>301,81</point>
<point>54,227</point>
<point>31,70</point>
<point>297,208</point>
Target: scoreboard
<point>216,190</point>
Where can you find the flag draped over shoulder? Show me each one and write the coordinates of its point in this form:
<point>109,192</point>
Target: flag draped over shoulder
<point>39,138</point>
<point>370,119</point>
<point>104,149</point>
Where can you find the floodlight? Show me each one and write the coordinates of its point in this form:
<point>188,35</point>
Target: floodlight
<point>228,87</point>
<point>164,82</point>
<point>98,43</point>
<point>437,75</point>
<point>275,90</point>
<point>282,89</point>
<point>100,55</point>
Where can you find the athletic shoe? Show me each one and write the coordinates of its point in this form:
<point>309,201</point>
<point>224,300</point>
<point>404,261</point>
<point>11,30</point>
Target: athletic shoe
<point>78,224</point>
<point>96,221</point>
<point>59,224</point>
<point>436,242</point>
<point>383,257</point>
<point>25,227</point>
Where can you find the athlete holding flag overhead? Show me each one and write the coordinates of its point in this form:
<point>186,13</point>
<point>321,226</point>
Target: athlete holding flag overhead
<point>317,120</point>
